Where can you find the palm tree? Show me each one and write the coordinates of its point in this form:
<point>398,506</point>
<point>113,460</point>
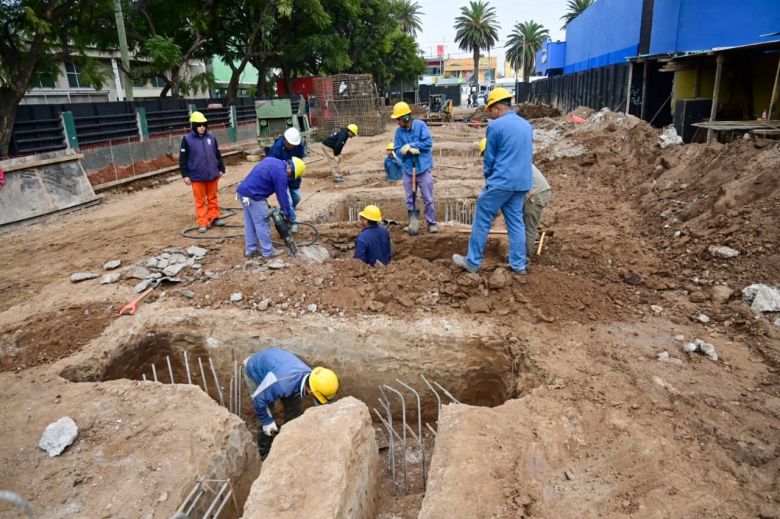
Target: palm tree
<point>476,29</point>
<point>574,9</point>
<point>408,14</point>
<point>524,42</point>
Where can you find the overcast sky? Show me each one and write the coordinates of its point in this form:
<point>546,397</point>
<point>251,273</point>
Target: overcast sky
<point>439,17</point>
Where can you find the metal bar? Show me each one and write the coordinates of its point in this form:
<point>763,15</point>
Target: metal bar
<point>225,500</point>
<point>455,400</point>
<point>187,364</point>
<point>431,429</point>
<point>154,372</point>
<point>216,382</point>
<point>170,370</point>
<point>203,377</point>
<point>230,396</point>
<point>143,376</point>
<point>419,426</point>
<point>403,428</point>
<point>438,398</point>
<point>774,91</point>
<point>189,496</point>
<point>217,498</point>
<point>240,369</point>
<point>390,439</point>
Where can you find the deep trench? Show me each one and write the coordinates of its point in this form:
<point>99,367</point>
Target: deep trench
<point>473,370</point>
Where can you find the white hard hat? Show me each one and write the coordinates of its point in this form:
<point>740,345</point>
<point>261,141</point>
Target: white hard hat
<point>292,136</point>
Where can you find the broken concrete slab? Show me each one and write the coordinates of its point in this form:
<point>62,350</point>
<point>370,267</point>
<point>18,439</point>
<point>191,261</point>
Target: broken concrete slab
<point>198,252</point>
<point>341,439</point>
<point>58,436</point>
<point>767,299</point>
<point>723,252</point>
<point>173,270</point>
<point>111,265</point>
<point>138,272</point>
<point>78,277</point>
<point>110,279</point>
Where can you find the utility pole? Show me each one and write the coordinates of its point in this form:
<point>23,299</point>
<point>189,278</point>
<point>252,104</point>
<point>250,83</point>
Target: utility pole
<point>120,27</point>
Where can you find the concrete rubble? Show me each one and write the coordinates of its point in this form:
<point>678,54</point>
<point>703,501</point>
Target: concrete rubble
<point>723,252</point>
<point>77,277</point>
<point>702,347</point>
<point>58,436</point>
<point>763,298</point>
<point>112,264</point>
<point>324,464</point>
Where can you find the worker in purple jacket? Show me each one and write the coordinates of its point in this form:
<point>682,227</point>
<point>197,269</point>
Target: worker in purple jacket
<point>269,176</point>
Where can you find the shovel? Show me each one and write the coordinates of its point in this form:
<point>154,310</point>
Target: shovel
<point>131,307</point>
<point>414,213</point>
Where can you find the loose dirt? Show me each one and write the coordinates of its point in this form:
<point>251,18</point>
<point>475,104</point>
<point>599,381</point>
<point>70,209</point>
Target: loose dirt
<point>626,271</point>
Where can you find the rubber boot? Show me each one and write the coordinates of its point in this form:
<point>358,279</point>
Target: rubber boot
<point>414,222</point>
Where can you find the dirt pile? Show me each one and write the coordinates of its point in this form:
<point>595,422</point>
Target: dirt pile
<point>536,111</point>
<point>113,172</point>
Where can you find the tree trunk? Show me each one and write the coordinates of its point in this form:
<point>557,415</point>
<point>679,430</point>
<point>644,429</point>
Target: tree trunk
<point>527,64</point>
<point>286,81</point>
<point>476,68</point>
<point>235,76</point>
<point>9,103</point>
<point>175,84</point>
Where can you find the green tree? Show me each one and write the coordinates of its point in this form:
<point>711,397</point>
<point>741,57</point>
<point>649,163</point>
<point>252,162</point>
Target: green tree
<point>523,43</point>
<point>573,9</point>
<point>476,29</point>
<point>408,13</point>
<point>36,36</point>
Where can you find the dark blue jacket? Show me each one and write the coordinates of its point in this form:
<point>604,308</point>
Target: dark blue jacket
<point>372,245</point>
<point>199,157</point>
<point>336,141</point>
<point>279,151</point>
<point>278,374</point>
<point>394,168</point>
<point>269,176</point>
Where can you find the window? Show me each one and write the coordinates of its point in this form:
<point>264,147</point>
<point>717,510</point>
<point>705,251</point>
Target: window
<point>41,81</point>
<point>139,82</point>
<point>159,82</point>
<point>74,79</point>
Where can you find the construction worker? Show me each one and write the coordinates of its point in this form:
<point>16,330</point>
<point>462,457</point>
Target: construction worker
<point>269,176</point>
<point>332,146</point>
<point>413,143</point>
<point>508,178</point>
<point>275,374</point>
<point>394,168</point>
<point>285,148</point>
<point>538,197</point>
<point>201,165</point>
<point>373,242</point>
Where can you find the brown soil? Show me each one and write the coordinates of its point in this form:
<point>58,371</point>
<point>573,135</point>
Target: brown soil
<point>625,271</point>
<point>113,172</point>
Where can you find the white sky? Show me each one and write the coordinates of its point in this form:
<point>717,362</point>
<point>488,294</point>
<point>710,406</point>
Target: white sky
<point>439,17</point>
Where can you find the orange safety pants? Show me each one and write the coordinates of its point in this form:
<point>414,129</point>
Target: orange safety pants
<point>206,204</point>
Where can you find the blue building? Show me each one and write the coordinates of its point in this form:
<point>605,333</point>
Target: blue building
<point>645,56</point>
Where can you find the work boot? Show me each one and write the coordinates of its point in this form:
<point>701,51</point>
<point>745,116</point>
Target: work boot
<point>202,229</point>
<point>463,263</point>
<point>217,223</point>
<point>432,228</point>
<point>294,228</point>
<point>274,254</point>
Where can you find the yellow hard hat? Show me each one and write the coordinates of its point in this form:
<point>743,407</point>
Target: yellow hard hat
<point>324,384</point>
<point>371,213</point>
<point>299,166</point>
<point>390,146</point>
<point>482,145</point>
<point>496,95</point>
<point>197,117</point>
<point>353,128</point>
<point>400,109</point>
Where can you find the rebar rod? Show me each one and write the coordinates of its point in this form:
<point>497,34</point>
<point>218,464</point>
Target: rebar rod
<point>431,429</point>
<point>240,371</point>
<point>419,426</point>
<point>455,400</point>
<point>216,383</point>
<point>203,377</point>
<point>225,501</point>
<point>391,440</point>
<point>230,396</point>
<point>235,387</point>
<point>208,514</point>
<point>438,398</point>
<point>187,364</point>
<point>403,428</point>
<point>170,369</point>
<point>154,372</point>
<point>195,489</point>
<point>143,376</point>
<point>391,433</point>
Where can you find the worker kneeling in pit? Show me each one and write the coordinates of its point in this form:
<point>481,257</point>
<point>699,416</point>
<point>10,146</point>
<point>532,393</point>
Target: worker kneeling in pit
<point>373,242</point>
<point>275,374</point>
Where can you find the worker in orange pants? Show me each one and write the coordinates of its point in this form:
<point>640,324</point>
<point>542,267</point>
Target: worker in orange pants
<point>201,166</point>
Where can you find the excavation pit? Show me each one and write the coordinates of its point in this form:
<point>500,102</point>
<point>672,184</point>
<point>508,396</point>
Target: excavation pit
<point>474,367</point>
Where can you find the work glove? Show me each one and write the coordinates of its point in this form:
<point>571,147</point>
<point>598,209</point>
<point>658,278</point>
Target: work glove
<point>270,429</point>
<point>245,201</point>
<point>405,149</point>
<point>414,151</point>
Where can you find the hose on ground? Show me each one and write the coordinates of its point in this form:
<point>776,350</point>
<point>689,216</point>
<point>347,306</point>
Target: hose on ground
<point>13,497</point>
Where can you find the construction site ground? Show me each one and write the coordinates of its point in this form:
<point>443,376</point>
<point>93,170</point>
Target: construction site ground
<point>581,418</point>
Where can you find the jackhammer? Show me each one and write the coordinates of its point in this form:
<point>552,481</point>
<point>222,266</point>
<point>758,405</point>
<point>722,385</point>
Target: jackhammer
<point>283,229</point>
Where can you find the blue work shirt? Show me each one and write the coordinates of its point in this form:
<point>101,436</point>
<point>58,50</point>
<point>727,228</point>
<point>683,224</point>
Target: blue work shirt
<point>394,168</point>
<point>372,245</point>
<point>279,151</point>
<point>418,136</point>
<point>509,153</point>
<point>269,176</point>
<point>278,374</point>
